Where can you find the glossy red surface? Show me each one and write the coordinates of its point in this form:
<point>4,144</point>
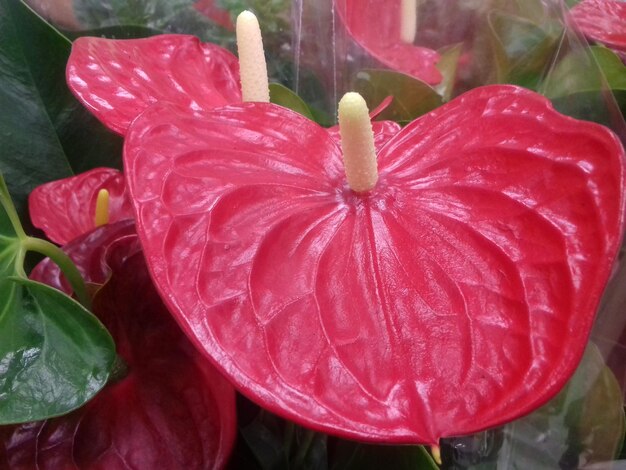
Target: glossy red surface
<point>117,79</point>
<point>455,296</point>
<point>603,21</point>
<point>173,410</point>
<point>375,26</point>
<point>65,209</point>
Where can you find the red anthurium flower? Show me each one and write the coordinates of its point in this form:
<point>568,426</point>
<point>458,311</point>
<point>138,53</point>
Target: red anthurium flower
<point>172,410</point>
<point>456,295</point>
<point>65,209</point>
<point>216,14</point>
<point>603,21</point>
<point>376,26</point>
<point>118,79</point>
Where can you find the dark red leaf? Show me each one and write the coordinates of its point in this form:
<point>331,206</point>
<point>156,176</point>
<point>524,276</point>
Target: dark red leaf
<point>455,296</point>
<point>172,410</point>
<point>65,209</point>
<point>375,26</point>
<point>603,21</point>
<point>117,79</point>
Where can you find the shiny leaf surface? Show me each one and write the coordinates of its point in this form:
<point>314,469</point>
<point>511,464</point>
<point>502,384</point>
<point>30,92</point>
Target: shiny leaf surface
<point>65,209</point>
<point>118,79</point>
<point>45,133</point>
<point>375,26</point>
<point>54,355</point>
<point>439,302</point>
<point>602,21</point>
<point>171,410</point>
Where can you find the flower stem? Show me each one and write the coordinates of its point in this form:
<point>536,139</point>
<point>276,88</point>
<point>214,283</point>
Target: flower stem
<point>64,263</point>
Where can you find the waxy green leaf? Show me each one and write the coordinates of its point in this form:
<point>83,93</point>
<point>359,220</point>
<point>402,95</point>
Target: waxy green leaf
<point>412,97</point>
<point>54,354</point>
<point>45,133</point>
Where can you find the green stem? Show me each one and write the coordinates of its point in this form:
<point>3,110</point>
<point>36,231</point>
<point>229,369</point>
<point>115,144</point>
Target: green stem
<point>65,263</point>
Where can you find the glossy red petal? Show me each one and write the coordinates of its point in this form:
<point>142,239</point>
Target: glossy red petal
<point>603,21</point>
<point>65,209</point>
<point>456,296</point>
<point>172,410</point>
<point>118,79</point>
<point>375,26</point>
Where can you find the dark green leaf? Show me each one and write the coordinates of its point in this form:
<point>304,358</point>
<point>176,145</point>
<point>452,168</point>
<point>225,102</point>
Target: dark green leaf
<point>54,355</point>
<point>280,94</point>
<point>115,32</point>
<point>583,424</point>
<point>412,97</point>
<point>355,456</point>
<point>265,440</point>
<point>45,133</point>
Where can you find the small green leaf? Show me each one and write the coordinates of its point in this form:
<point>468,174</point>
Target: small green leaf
<point>45,133</point>
<point>280,94</point>
<point>54,354</point>
<point>583,423</point>
<point>412,97</point>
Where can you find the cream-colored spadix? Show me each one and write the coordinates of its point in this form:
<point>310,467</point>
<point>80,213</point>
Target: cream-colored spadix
<point>252,66</point>
<point>408,20</point>
<point>357,143</point>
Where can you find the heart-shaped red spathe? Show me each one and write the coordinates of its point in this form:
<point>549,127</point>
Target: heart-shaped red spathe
<point>118,79</point>
<point>173,409</point>
<point>65,209</point>
<point>375,26</point>
<point>603,21</point>
<point>455,296</point>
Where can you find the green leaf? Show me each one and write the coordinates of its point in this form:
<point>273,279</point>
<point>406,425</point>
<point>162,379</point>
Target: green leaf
<point>280,94</point>
<point>523,49</point>
<point>54,355</point>
<point>45,133</point>
<point>584,423</point>
<point>586,70</point>
<point>356,456</point>
<point>412,97</point>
